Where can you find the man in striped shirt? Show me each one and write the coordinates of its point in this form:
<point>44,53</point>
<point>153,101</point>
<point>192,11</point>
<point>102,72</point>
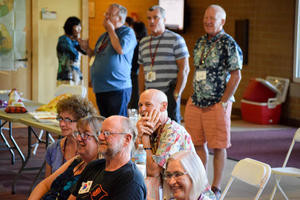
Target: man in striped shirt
<point>163,59</point>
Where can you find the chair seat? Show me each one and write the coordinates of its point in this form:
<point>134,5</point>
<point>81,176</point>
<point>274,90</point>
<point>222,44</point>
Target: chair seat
<point>287,171</point>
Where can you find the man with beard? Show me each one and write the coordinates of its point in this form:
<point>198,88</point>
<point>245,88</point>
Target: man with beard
<point>115,176</point>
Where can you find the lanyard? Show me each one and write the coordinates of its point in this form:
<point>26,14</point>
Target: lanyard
<point>103,44</point>
<point>203,58</point>
<point>153,56</point>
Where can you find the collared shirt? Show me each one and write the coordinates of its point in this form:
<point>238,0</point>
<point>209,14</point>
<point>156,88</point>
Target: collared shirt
<point>170,48</point>
<point>173,138</point>
<point>217,57</point>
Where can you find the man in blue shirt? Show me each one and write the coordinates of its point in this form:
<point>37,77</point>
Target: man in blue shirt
<point>110,72</point>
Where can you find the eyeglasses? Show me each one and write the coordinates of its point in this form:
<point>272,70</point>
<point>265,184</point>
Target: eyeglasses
<point>66,120</point>
<point>108,133</point>
<point>83,136</point>
<point>169,175</point>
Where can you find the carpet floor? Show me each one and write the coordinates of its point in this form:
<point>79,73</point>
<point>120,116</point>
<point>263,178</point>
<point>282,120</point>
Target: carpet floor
<point>269,146</point>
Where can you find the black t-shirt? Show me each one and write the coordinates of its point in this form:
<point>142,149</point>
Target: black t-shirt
<point>126,183</point>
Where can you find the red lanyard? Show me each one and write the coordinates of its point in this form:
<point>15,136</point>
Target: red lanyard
<point>203,58</point>
<point>104,43</point>
<point>153,56</point>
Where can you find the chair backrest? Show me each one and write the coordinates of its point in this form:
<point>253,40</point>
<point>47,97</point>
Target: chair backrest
<point>296,138</point>
<point>71,89</point>
<point>252,172</point>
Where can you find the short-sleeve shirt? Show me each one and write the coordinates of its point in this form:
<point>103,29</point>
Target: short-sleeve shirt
<point>170,48</point>
<point>126,183</point>
<point>216,57</point>
<point>173,138</point>
<point>54,155</point>
<point>110,70</point>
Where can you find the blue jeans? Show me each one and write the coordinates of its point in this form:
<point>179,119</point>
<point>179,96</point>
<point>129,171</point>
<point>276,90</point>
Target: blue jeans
<point>113,102</point>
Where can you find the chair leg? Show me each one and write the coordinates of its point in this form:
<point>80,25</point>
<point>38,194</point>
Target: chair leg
<point>281,190</point>
<point>273,192</point>
<point>226,188</point>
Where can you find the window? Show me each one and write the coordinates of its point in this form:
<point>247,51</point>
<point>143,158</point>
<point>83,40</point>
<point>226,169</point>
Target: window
<point>297,44</point>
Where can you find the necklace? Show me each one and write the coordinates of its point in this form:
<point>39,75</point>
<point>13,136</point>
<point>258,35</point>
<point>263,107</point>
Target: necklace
<point>152,56</point>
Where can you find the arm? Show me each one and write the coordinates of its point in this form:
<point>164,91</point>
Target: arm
<point>72,197</point>
<point>84,44</point>
<point>184,69</point>
<point>141,79</point>
<point>44,186</point>
<point>232,85</point>
<point>153,169</point>
<point>114,39</point>
<point>48,170</point>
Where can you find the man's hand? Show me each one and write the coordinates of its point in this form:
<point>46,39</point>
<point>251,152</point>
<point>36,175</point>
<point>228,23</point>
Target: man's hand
<point>108,25</point>
<point>148,123</point>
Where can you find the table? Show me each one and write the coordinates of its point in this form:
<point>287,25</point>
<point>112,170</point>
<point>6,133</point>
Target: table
<point>28,120</point>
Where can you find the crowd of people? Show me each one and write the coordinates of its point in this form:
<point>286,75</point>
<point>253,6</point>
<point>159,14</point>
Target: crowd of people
<point>131,69</point>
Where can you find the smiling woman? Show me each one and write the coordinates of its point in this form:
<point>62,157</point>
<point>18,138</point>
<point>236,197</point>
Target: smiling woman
<point>59,184</point>
<point>185,178</point>
<point>69,110</point>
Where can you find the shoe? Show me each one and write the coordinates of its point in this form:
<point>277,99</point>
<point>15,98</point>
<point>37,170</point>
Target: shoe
<point>217,192</point>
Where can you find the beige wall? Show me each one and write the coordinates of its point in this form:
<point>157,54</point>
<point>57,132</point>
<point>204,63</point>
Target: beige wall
<point>45,36</point>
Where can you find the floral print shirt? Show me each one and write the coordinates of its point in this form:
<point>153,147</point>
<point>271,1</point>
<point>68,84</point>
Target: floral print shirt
<point>173,138</point>
<point>69,56</point>
<point>207,194</point>
<point>216,57</point>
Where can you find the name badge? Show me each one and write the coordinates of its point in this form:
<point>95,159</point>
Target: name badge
<point>85,187</point>
<point>200,75</point>
<point>151,76</point>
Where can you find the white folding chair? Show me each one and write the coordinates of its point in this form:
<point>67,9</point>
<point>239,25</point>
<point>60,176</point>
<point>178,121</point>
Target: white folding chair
<point>252,172</point>
<point>284,170</point>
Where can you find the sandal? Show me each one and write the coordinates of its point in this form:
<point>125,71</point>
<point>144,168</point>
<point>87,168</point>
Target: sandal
<point>217,192</point>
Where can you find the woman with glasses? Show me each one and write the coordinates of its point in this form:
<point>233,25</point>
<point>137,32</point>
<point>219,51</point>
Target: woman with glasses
<point>185,178</point>
<point>59,184</point>
<point>69,111</point>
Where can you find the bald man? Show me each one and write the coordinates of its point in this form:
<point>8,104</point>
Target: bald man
<point>160,136</point>
<point>218,60</point>
<point>115,176</point>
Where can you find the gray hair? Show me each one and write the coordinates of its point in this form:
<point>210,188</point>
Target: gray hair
<point>122,11</point>
<point>95,122</point>
<point>161,10</point>
<point>220,11</point>
<point>192,164</point>
<point>129,127</point>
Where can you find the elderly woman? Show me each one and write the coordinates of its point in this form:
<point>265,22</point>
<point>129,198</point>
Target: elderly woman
<point>69,110</point>
<point>59,184</point>
<point>185,178</point>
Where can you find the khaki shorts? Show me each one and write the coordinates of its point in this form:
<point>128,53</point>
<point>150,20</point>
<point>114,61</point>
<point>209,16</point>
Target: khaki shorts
<point>211,125</point>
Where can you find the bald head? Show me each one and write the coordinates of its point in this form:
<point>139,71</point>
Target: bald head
<point>156,95</point>
<point>220,12</point>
